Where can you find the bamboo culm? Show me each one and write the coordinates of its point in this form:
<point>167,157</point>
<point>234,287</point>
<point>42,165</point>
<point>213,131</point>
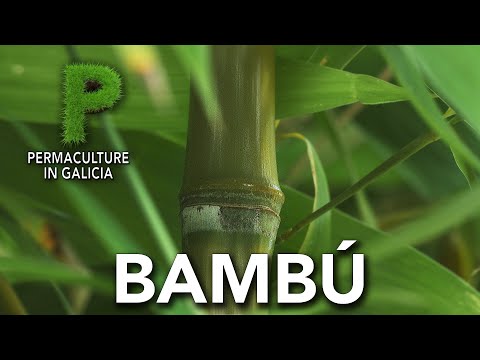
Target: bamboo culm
<point>230,198</point>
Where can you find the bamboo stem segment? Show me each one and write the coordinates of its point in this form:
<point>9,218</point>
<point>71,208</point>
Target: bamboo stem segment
<point>230,198</point>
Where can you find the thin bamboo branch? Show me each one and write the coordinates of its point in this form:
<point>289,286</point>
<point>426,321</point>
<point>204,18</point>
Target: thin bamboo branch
<point>408,150</point>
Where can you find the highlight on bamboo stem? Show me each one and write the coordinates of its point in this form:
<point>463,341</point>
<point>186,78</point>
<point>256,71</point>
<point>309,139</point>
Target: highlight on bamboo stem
<point>230,197</point>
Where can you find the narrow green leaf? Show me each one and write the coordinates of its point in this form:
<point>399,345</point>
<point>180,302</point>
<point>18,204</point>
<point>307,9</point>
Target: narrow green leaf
<point>144,199</point>
<point>334,56</point>
<point>305,88</point>
<point>151,153</point>
<point>95,209</point>
<point>33,75</point>
<point>364,207</point>
<point>9,301</point>
<point>407,282</point>
<point>21,202</point>
<point>18,227</point>
<point>472,139</point>
<point>467,170</point>
<point>7,244</point>
<point>454,74</point>
<point>388,128</point>
<point>114,236</point>
<point>24,228</point>
<point>409,76</point>
<point>30,75</point>
<point>23,269</point>
<point>447,213</point>
<point>318,237</point>
<point>303,53</point>
<point>407,151</point>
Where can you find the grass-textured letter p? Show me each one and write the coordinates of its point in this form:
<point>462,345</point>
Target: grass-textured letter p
<point>89,88</point>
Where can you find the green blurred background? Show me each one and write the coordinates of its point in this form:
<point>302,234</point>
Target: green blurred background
<point>58,239</point>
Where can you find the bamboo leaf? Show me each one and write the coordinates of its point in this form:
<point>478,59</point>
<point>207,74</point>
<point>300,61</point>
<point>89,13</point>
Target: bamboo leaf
<point>26,227</point>
<point>408,74</point>
<point>454,74</point>
<point>23,269</point>
<point>305,88</point>
<point>467,170</point>
<point>471,138</point>
<point>144,199</point>
<point>364,207</point>
<point>114,237</point>
<point>407,282</point>
<point>151,154</point>
<point>389,128</point>
<point>9,301</point>
<point>31,75</point>
<point>7,245</point>
<point>334,56</point>
<point>444,215</point>
<point>318,238</point>
<point>407,151</point>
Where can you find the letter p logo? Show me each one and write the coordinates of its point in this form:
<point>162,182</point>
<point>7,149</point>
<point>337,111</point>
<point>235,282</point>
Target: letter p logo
<point>89,89</point>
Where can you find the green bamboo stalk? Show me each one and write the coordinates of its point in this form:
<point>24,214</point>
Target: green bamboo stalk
<point>230,197</point>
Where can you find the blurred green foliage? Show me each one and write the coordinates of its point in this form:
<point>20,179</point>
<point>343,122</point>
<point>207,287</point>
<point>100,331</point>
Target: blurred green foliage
<point>58,239</point>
